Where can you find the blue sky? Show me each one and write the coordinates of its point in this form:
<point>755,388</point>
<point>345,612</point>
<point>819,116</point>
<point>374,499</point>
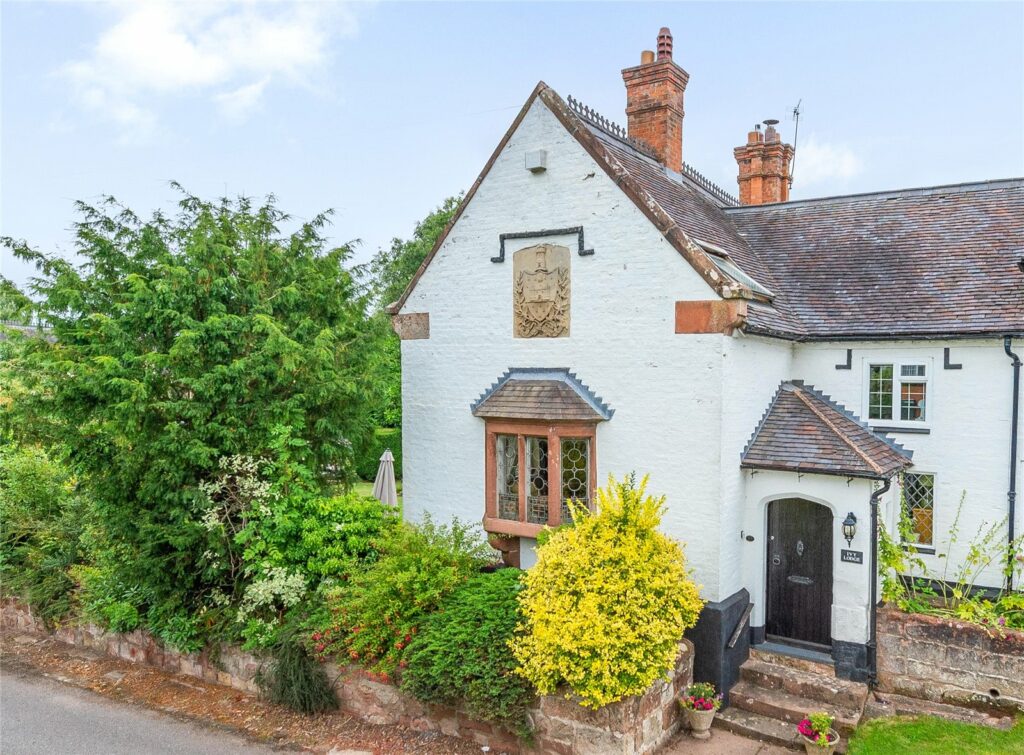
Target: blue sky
<point>381,110</point>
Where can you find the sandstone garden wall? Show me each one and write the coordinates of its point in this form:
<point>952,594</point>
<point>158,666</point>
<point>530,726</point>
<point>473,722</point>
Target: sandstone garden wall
<point>634,726</point>
<point>948,661</point>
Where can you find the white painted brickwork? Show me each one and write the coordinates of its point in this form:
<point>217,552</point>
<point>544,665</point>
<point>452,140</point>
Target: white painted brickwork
<point>665,388</point>
<point>969,417</point>
<point>685,405</point>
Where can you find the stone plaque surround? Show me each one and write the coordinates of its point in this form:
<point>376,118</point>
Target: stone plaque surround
<point>541,291</point>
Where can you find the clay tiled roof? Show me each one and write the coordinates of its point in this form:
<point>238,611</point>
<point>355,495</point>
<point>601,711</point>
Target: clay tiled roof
<point>944,261</point>
<point>541,394</point>
<point>939,261</point>
<point>805,431</point>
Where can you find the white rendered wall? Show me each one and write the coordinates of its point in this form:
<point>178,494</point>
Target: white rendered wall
<point>752,370</point>
<point>850,582</point>
<point>665,388</point>
<point>968,413</point>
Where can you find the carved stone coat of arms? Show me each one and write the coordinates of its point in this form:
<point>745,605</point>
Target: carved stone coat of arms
<point>540,300</point>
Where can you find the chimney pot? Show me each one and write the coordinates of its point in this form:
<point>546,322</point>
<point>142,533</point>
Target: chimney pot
<point>664,44</point>
<point>764,164</point>
<point>654,102</point>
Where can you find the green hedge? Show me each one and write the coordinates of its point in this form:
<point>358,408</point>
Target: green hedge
<point>384,438</point>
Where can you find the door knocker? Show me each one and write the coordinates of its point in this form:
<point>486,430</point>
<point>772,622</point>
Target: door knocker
<point>799,547</point>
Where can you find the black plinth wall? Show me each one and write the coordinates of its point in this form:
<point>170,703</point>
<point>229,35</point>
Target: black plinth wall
<point>713,660</point>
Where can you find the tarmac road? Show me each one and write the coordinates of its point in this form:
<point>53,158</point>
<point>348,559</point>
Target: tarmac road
<point>40,716</point>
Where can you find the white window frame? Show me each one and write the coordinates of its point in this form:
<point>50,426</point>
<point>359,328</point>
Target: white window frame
<point>897,390</point>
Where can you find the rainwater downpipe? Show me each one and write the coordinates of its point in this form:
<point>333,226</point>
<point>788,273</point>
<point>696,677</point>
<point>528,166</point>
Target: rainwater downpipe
<point>1011,494</point>
<point>873,571</point>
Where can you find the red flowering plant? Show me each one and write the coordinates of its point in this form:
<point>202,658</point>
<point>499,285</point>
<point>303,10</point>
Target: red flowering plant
<point>701,696</point>
<point>817,728</point>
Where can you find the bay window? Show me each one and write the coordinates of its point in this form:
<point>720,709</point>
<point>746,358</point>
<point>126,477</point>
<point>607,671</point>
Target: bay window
<point>533,471</point>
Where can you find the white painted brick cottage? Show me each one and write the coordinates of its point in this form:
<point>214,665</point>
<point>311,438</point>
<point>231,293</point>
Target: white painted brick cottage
<point>597,307</point>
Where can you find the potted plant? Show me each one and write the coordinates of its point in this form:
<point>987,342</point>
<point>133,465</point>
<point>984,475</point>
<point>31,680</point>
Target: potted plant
<point>699,704</point>
<point>819,736</point>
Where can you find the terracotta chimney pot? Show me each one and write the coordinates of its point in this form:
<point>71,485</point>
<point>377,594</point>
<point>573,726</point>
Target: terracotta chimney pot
<point>654,102</point>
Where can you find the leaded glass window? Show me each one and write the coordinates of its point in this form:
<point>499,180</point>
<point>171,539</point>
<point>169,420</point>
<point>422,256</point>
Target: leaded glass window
<point>507,458</point>
<point>533,472</point>
<point>537,480</point>
<point>919,501</point>
<point>575,474</point>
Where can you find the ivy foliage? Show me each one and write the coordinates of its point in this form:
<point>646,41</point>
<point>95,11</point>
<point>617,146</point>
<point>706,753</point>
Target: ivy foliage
<point>607,602</point>
<point>179,340</point>
<point>461,655</point>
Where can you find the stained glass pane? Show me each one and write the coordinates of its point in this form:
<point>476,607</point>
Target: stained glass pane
<point>507,455</point>
<point>537,475</point>
<point>575,474</point>
<point>919,499</point>
<point>880,392</point>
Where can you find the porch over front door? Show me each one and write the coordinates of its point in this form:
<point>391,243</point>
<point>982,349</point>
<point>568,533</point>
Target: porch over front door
<point>799,573</point>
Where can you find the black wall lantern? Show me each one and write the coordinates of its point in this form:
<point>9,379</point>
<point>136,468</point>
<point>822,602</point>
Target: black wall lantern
<point>849,528</point>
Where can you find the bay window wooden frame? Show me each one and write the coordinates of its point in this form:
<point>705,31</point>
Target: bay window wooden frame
<point>554,432</point>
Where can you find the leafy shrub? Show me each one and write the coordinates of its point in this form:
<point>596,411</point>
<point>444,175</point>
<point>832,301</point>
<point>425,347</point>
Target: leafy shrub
<point>375,616</point>
<point>274,538</point>
<point>607,602</point>
<point>295,679</point>
<point>181,338</point>
<point>384,438</point>
<point>42,520</point>
<point>461,654</point>
<point>911,586</point>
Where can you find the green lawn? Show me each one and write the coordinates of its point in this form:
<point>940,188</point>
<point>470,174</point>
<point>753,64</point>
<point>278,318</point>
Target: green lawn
<point>923,736</point>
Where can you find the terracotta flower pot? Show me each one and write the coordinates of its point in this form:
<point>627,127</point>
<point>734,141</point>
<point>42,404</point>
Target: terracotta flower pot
<point>813,748</point>
<point>699,722</point>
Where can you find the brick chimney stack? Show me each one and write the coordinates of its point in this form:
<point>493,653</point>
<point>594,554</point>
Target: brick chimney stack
<point>764,163</point>
<point>654,102</point>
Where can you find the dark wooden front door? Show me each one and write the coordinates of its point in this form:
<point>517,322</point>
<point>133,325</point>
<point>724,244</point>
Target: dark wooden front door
<point>799,572</point>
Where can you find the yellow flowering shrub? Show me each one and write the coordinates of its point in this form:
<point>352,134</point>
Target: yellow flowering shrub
<point>607,602</point>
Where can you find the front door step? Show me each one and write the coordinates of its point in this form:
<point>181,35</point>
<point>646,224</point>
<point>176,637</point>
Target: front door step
<point>756,726</point>
<point>804,660</point>
<point>826,689</point>
<point>771,698</point>
<point>789,708</point>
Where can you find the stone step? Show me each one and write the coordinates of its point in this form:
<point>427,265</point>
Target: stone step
<point>756,726</point>
<point>781,705</point>
<point>792,661</point>
<point>841,692</point>
<point>882,704</point>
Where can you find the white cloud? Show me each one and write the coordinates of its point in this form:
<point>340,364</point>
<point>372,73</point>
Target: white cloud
<point>819,161</point>
<point>239,103</point>
<point>228,53</point>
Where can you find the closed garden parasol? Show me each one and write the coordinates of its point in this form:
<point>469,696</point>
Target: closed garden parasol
<point>384,488</point>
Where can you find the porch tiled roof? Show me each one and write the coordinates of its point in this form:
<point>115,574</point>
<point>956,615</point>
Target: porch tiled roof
<point>541,394</point>
<point>805,431</point>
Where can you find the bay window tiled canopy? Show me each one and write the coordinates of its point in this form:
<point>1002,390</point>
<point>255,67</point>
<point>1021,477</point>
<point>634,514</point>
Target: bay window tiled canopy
<point>540,448</point>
